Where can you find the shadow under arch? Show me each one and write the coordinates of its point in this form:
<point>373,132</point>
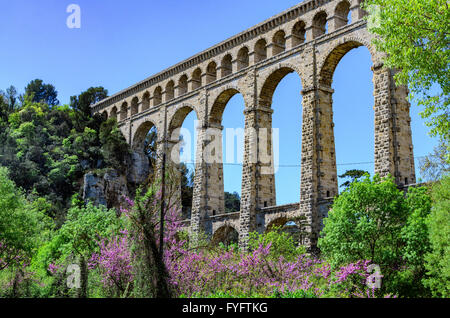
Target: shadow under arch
<point>294,227</point>
<point>276,223</point>
<point>144,153</point>
<point>138,141</point>
<point>226,234</point>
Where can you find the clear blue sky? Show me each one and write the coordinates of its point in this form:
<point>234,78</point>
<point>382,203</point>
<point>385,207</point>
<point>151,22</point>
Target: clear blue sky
<point>122,42</point>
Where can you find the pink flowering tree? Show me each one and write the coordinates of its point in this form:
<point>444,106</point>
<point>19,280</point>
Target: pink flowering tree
<point>114,261</point>
<point>220,272</point>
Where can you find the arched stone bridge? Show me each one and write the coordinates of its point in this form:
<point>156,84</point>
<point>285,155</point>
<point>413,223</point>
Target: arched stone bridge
<point>252,63</point>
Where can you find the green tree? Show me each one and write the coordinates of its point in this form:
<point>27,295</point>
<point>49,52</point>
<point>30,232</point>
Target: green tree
<point>48,150</point>
<point>416,244</point>
<point>33,150</point>
<point>82,106</point>
<point>114,147</point>
<point>415,36</point>
<point>365,223</point>
<point>374,220</point>
<point>232,202</point>
<point>187,189</point>
<point>354,175</point>
<point>3,109</point>
<point>10,100</point>
<point>151,276</point>
<point>80,234</point>
<point>42,93</point>
<point>437,261</point>
<point>436,165</point>
<point>22,225</point>
<point>86,99</point>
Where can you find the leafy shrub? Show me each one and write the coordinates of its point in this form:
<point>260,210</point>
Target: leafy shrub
<point>300,293</point>
<point>281,244</point>
<point>437,261</point>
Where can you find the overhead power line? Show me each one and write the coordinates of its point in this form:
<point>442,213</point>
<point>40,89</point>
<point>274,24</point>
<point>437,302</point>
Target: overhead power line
<point>298,166</point>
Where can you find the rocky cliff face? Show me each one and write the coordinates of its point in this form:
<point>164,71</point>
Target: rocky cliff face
<point>138,169</point>
<point>109,189</point>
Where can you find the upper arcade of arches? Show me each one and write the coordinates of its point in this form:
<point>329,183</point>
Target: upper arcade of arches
<point>281,35</point>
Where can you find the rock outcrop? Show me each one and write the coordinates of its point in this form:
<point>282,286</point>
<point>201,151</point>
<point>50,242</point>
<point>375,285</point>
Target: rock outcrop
<point>109,189</point>
<point>139,168</point>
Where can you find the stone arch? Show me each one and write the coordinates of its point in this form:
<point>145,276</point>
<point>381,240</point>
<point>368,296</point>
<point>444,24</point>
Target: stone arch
<point>293,227</point>
<point>278,42</point>
<point>278,222</point>
<point>141,134</point>
<point>327,65</point>
<point>341,14</point>
<point>211,72</point>
<point>170,91</point>
<point>157,96</point>
<point>214,155</point>
<point>196,79</point>
<point>298,33</point>
<point>226,234</point>
<point>216,113</point>
<point>113,113</point>
<point>260,50</point>
<point>226,65</point>
<point>333,56</point>
<point>143,157</point>
<point>175,146</point>
<point>243,58</point>
<point>183,85</point>
<point>134,106</point>
<point>270,83</point>
<point>319,24</point>
<point>177,119</point>
<point>105,115</point>
<point>124,111</point>
<point>175,123</point>
<point>145,101</point>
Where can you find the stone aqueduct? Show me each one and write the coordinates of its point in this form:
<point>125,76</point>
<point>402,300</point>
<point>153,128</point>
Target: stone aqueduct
<point>252,63</point>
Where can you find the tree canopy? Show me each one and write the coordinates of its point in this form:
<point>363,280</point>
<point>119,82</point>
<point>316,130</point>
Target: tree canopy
<point>42,93</point>
<point>415,35</point>
<point>354,175</point>
<point>373,220</point>
<point>21,224</point>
